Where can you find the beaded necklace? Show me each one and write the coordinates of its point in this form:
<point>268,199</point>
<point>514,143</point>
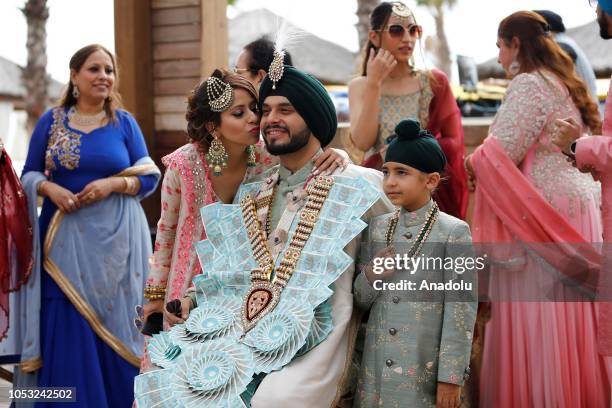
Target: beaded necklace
<point>264,294</point>
<point>85,120</point>
<point>266,203</point>
<point>432,216</point>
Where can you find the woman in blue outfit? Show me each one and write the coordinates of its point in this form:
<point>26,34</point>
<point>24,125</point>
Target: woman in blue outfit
<point>88,159</point>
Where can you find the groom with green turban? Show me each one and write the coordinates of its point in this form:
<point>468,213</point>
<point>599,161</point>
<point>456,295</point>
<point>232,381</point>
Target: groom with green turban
<point>273,322</point>
<point>298,119</point>
<point>305,95</point>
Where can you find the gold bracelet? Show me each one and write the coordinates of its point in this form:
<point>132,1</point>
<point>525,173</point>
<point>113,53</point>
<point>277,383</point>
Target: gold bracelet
<point>40,185</point>
<point>130,185</point>
<point>154,292</point>
<point>137,184</point>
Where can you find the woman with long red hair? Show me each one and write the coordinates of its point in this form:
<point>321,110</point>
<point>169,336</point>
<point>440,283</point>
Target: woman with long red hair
<point>542,216</point>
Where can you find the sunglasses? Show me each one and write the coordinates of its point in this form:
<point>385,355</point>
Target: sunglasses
<point>398,31</point>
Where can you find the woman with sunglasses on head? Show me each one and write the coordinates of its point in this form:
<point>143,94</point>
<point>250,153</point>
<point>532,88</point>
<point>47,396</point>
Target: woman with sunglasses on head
<point>390,89</point>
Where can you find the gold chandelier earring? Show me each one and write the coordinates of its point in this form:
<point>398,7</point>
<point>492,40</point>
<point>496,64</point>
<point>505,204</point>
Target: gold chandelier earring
<point>216,157</point>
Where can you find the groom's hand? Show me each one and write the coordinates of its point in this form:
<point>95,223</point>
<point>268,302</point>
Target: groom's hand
<point>173,317</point>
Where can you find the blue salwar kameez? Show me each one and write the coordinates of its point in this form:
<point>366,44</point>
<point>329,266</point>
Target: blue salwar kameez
<point>72,353</point>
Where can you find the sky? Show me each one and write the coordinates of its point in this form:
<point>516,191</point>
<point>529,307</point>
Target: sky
<point>471,25</point>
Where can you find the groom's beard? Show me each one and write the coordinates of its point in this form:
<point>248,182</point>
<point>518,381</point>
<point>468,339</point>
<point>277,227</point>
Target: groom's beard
<point>296,142</point>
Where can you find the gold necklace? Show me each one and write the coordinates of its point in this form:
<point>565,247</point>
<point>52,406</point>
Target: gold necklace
<point>432,216</point>
<point>264,294</point>
<point>85,120</point>
<point>266,202</point>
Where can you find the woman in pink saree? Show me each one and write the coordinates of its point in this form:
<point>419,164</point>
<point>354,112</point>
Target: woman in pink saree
<point>537,211</point>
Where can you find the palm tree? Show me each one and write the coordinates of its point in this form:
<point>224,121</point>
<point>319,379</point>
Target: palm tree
<point>364,8</point>
<point>442,49</point>
<point>36,13</point>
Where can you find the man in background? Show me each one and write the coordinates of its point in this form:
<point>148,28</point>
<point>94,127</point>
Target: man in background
<point>583,66</point>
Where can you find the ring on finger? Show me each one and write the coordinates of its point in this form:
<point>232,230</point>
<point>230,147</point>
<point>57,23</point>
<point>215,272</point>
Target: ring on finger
<point>71,202</point>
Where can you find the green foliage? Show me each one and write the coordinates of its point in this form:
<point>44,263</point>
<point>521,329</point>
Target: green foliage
<point>231,2</point>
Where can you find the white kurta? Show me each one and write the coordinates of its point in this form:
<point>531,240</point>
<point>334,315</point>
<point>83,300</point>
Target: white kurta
<point>317,378</point>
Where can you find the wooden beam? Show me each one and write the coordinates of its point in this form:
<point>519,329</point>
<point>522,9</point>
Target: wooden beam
<point>134,53</point>
<point>170,122</point>
<point>176,69</point>
<point>160,4</point>
<point>170,104</point>
<point>214,40</point>
<point>133,45</point>
<point>176,33</point>
<point>181,50</point>
<point>177,86</point>
<point>173,16</point>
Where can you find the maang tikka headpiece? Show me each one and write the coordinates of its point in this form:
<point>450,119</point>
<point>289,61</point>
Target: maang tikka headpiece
<point>220,94</point>
<point>401,11</point>
<point>286,34</point>
<point>275,72</point>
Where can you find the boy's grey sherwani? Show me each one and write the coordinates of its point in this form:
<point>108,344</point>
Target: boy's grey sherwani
<point>416,338</point>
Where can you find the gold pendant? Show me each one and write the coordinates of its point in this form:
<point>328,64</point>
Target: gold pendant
<point>258,303</point>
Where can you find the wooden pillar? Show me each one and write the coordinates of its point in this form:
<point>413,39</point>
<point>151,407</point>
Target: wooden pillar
<point>133,47</point>
<point>214,43</point>
<point>164,48</point>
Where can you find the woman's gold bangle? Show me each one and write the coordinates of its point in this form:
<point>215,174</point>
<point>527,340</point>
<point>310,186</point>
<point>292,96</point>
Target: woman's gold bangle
<point>154,292</point>
<point>130,185</point>
<point>40,186</point>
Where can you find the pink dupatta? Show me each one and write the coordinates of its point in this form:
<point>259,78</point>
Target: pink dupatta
<point>511,210</point>
<point>527,341</point>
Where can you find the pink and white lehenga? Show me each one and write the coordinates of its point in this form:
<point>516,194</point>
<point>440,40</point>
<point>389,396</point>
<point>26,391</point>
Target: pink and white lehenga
<point>537,353</point>
<point>186,188</point>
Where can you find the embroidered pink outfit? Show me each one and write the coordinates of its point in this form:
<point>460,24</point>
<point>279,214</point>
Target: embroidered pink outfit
<point>537,354</point>
<point>186,188</point>
<point>596,153</point>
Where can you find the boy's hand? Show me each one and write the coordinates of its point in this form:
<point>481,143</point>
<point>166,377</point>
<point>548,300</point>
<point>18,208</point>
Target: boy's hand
<point>448,395</point>
<point>388,252</point>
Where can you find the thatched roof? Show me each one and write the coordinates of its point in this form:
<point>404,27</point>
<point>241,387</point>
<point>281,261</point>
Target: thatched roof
<point>597,50</point>
<point>329,62</point>
<point>11,84</point>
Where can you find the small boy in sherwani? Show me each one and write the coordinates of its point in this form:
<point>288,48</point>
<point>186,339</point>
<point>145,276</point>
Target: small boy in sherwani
<point>419,334</point>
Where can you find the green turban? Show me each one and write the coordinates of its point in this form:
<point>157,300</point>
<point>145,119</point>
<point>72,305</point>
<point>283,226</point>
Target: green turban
<point>415,147</point>
<point>309,98</point>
